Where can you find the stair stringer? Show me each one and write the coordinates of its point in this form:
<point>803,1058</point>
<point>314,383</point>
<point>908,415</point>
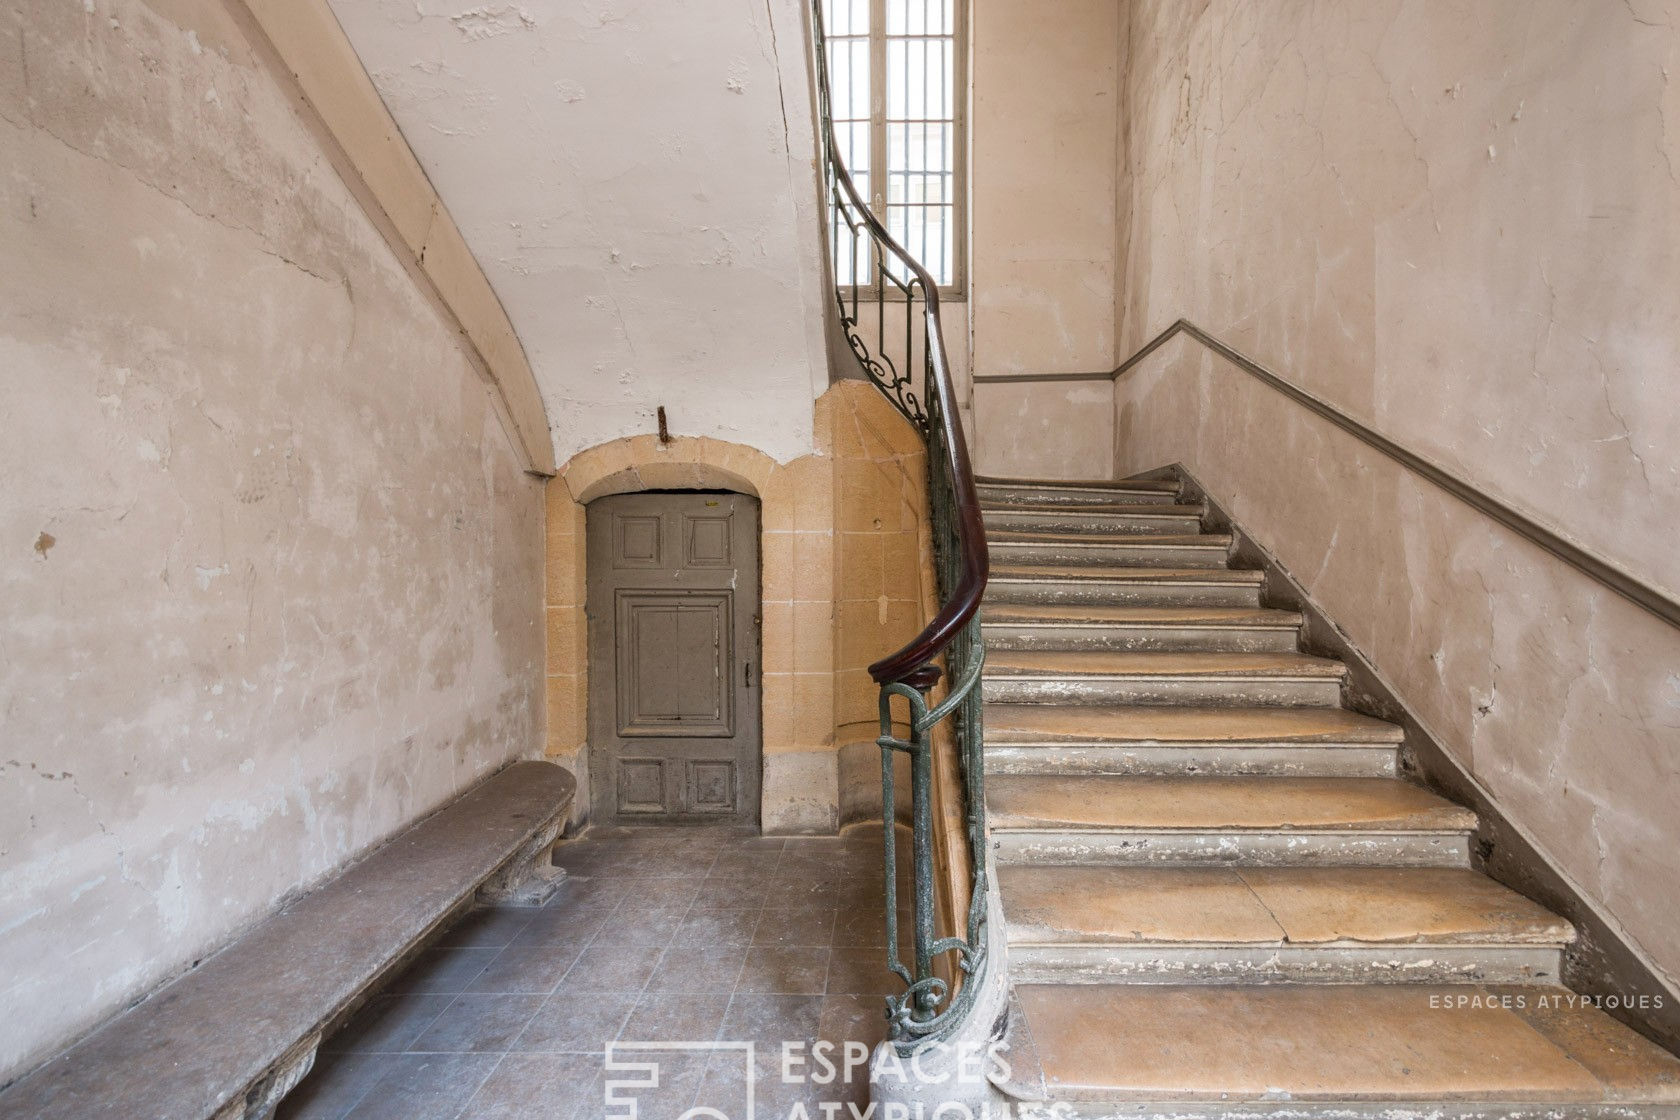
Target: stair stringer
<point>1603,962</point>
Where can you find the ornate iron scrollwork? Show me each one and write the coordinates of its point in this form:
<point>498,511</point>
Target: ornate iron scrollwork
<point>928,1007</point>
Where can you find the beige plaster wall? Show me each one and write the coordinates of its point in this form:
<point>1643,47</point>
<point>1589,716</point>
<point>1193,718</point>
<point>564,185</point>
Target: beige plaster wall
<point>637,179</point>
<point>843,575</point>
<point>269,562</point>
<point>1044,429</point>
<point>1042,135</point>
<point>1044,132</point>
<point>1455,223</point>
<point>308,47</point>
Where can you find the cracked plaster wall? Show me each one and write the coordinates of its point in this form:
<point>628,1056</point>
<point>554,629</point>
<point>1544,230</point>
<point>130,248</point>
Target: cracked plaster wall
<point>271,574</point>
<point>637,180</point>
<point>1456,223</point>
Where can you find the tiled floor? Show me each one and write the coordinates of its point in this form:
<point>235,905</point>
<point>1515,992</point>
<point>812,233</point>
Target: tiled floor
<point>659,936</point>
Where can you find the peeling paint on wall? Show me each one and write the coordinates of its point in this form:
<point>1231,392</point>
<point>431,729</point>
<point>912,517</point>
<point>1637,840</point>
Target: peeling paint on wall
<point>1457,225</point>
<point>638,180</point>
<point>269,568</point>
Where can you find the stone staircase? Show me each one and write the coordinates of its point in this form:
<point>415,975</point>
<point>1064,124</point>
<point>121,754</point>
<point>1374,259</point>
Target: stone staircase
<point>1220,898</point>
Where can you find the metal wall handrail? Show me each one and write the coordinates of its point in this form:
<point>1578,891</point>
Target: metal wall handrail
<point>942,979</point>
<point>1594,567</point>
<point>1601,570</point>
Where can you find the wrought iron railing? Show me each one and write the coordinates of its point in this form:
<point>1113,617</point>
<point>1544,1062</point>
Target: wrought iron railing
<point>877,280</point>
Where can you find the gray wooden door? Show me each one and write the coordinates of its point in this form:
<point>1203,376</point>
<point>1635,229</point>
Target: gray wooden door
<point>674,723</point>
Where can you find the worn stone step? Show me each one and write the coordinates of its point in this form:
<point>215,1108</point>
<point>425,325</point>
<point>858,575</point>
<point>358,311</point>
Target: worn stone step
<point>1163,587</point>
<point>1099,486</point>
<point>1168,519</point>
<point>1032,495</point>
<point>1183,740</point>
<point>1195,550</point>
<point>1209,821</point>
<point>1267,678</point>
<point>1075,626</point>
<point>1396,1051</point>
<point>1274,925</point>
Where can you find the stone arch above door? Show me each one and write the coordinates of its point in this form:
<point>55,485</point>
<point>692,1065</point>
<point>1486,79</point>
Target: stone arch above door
<point>634,463</point>
<point>799,792</point>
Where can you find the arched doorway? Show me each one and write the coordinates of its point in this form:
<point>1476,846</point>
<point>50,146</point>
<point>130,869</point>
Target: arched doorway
<point>675,672</point>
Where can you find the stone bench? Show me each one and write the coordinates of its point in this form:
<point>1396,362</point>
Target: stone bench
<point>230,1038</point>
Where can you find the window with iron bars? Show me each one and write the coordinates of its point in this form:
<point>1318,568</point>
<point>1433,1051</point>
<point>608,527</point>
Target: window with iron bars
<point>896,83</point>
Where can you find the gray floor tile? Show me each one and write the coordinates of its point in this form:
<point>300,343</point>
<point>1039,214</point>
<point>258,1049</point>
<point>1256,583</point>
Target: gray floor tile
<point>576,1022</point>
<point>652,936</point>
<point>732,894</point>
<point>806,925</point>
<point>771,1019</point>
<point>527,969</point>
<point>664,1092</point>
<point>479,1024</point>
<point>860,1020</point>
<point>425,1087</point>
<point>688,862</point>
<point>608,966</point>
<point>653,926</point>
<point>716,928</point>
<point>663,893</point>
<point>675,1017</point>
<point>388,1024</point>
<point>589,890</point>
<point>568,925</point>
<point>749,862</point>
<point>335,1086</point>
<point>785,970</point>
<point>487,926</point>
<point>445,970</point>
<point>540,1087</point>
<point>862,972</point>
<point>686,969</point>
<point>862,927</point>
<point>776,1091</point>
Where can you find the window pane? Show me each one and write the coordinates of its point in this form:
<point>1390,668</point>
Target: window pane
<point>848,78</point>
<point>846,17</point>
<point>920,74</point>
<point>917,107</point>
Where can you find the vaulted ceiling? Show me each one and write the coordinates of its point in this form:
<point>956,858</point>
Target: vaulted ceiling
<point>636,179</point>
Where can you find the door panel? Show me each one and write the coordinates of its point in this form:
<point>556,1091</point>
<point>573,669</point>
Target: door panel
<point>674,664</point>
<point>673,650</point>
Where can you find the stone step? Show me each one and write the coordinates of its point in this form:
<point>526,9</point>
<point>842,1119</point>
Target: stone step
<point>1028,494</point>
<point>1315,1052</point>
<point>1088,819</point>
<point>1163,587</point>
<point>1178,740</point>
<point>1023,626</point>
<point>1194,550</point>
<point>1167,519</point>
<point>1185,925</point>
<point>1099,485</point>
<point>1261,679</point>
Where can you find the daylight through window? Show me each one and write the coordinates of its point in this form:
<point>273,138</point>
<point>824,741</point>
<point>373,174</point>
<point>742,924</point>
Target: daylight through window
<point>894,75</point>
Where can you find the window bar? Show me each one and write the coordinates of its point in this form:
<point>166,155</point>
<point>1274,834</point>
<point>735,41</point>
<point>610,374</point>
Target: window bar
<point>880,299</point>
